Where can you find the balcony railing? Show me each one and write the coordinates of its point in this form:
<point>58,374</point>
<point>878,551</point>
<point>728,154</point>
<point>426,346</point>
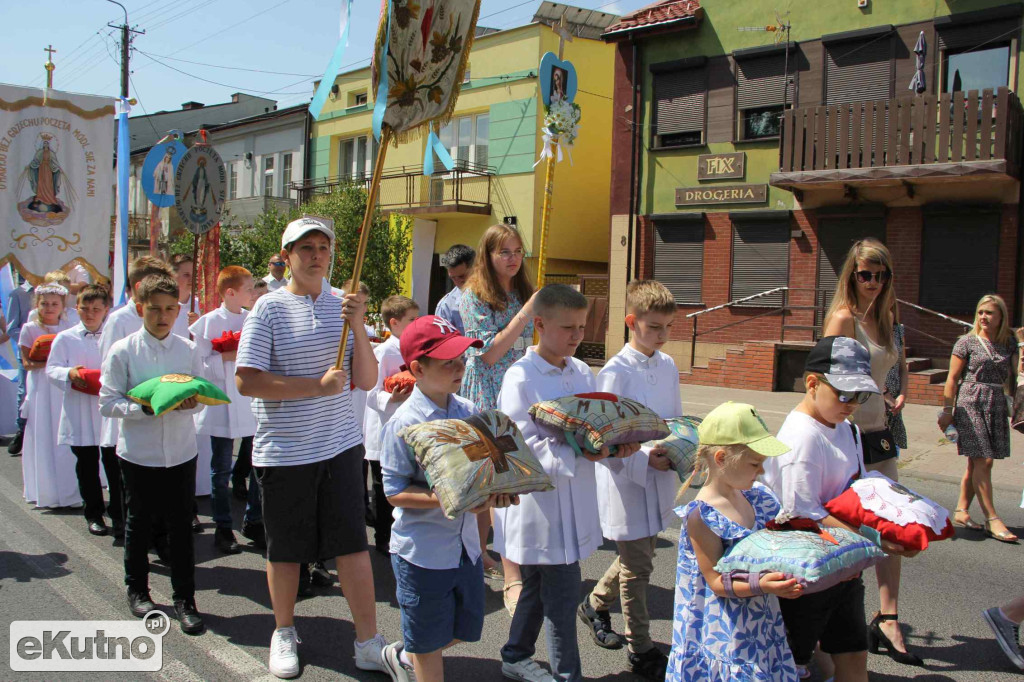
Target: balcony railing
<point>947,135</point>
<point>465,189</point>
<point>138,228</point>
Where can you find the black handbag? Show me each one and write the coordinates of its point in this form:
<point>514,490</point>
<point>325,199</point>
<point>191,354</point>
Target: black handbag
<point>878,446</point>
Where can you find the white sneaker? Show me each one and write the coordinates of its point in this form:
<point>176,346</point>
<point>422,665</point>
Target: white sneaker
<point>392,657</point>
<point>370,656</point>
<point>284,653</point>
<point>526,670</point>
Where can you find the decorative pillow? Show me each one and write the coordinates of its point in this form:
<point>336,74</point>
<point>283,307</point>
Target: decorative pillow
<point>401,381</point>
<point>680,445</point>
<point>899,514</point>
<point>162,394</point>
<point>40,350</point>
<point>817,559</point>
<point>593,420</point>
<point>467,460</point>
<point>226,342</point>
<point>92,381</point>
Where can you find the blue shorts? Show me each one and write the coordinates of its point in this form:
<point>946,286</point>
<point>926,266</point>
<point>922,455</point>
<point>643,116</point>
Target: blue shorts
<point>439,605</point>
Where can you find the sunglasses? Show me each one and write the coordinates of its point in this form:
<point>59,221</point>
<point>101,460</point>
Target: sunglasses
<point>859,397</point>
<point>277,263</point>
<point>865,276</point>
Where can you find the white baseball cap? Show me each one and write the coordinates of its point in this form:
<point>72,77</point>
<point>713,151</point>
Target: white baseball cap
<point>300,227</point>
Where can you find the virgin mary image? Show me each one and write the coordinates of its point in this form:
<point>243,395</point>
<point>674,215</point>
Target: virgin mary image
<point>47,182</point>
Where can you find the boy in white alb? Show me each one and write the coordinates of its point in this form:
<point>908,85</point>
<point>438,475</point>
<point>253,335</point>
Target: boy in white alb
<point>184,270</point>
<point>221,424</point>
<point>636,495</point>
<point>548,534</point>
<point>398,312</point>
<point>72,351</point>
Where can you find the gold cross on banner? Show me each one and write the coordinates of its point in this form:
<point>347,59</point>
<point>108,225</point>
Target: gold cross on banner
<point>564,34</point>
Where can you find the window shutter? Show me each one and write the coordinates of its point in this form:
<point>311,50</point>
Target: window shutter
<point>953,277</point>
<point>835,237</point>
<point>759,81</point>
<point>679,258</point>
<point>760,259</point>
<point>986,34</point>
<point>858,70</point>
<point>680,101</point>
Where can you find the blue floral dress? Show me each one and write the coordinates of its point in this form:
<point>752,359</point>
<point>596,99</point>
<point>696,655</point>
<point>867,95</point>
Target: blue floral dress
<point>481,382</point>
<point>719,639</point>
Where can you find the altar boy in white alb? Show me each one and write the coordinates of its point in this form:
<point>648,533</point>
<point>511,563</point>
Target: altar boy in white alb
<point>550,533</point>
<point>636,495</point>
<point>74,351</point>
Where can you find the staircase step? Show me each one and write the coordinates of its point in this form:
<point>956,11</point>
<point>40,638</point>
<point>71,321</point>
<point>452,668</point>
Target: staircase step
<point>918,364</point>
<point>930,376</point>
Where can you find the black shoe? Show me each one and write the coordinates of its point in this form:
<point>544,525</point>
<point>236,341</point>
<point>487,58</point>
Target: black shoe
<point>877,639</point>
<point>162,545</point>
<point>305,582</point>
<point>97,527</point>
<point>649,665</point>
<point>256,533</point>
<point>224,541</point>
<point>197,525</point>
<point>239,489</point>
<point>117,530</point>
<point>319,575</point>
<point>14,448</point>
<point>600,625</point>
<point>140,603</point>
<point>188,617</point>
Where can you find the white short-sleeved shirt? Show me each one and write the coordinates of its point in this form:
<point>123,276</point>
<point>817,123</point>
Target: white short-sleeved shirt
<point>379,407</point>
<point>819,467</point>
<point>234,420</point>
<point>298,336</point>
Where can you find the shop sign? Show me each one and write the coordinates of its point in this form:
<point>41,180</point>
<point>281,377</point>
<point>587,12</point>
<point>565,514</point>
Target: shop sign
<point>721,166</point>
<point>722,194</point>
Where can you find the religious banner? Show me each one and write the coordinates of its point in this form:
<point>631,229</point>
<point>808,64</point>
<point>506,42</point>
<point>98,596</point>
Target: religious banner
<point>56,181</point>
<point>158,172</point>
<point>200,187</point>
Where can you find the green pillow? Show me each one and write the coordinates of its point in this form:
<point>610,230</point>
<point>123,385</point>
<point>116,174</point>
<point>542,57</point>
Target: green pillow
<point>161,394</point>
<point>680,445</point>
<point>593,420</point>
<point>467,460</point>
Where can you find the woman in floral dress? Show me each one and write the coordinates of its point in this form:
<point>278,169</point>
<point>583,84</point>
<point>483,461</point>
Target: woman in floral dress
<point>985,359</point>
<point>496,307</point>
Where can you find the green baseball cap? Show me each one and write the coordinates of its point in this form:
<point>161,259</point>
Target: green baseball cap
<point>739,424</point>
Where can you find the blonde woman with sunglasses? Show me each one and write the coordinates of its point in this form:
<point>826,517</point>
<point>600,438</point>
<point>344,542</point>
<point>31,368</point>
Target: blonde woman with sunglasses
<point>864,308</point>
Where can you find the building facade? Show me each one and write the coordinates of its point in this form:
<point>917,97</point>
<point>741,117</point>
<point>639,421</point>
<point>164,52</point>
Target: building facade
<point>758,162</point>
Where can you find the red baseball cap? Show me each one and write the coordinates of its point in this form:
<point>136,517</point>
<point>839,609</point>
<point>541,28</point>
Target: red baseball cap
<point>434,337</point>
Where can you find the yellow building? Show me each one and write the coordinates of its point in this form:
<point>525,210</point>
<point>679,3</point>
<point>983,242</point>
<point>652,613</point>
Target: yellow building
<point>495,138</point>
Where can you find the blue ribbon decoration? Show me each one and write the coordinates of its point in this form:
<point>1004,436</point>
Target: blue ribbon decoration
<point>120,274</point>
<point>380,105</point>
<point>7,369</point>
<point>435,146</point>
<point>333,66</point>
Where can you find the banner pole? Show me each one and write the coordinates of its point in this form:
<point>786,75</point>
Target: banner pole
<point>195,270</point>
<point>545,221</point>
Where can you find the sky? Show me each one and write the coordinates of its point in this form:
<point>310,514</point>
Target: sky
<point>205,50</point>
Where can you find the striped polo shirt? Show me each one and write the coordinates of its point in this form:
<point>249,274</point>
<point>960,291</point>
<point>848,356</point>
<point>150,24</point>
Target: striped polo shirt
<point>298,337</point>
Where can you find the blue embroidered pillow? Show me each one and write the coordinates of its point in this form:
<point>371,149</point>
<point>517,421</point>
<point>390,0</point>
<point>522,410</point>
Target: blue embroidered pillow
<point>680,445</point>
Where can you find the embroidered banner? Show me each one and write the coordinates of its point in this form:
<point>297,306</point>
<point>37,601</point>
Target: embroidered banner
<point>56,180</point>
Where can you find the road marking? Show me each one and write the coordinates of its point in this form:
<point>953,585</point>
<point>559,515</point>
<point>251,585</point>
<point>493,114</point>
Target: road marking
<point>211,644</point>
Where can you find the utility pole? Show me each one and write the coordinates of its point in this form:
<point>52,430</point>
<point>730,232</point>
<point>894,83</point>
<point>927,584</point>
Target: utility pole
<point>126,41</point>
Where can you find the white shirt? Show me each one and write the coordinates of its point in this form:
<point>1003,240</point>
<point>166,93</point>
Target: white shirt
<point>560,526</point>
<point>120,323</point>
<point>146,440</point>
<point>234,420</point>
<point>181,322</point>
<point>274,284</point>
<point>379,407</point>
<point>80,422</point>
<point>817,469</point>
<point>635,500</point>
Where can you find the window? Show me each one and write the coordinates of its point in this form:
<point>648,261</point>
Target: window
<point>233,181</point>
<point>976,70</point>
<point>679,256</point>
<point>760,81</point>
<point>466,139</point>
<point>354,163</point>
<point>953,277</point>
<point>859,70</point>
<point>268,176</point>
<point>286,174</point>
<point>760,257</point>
<point>360,99</point>
<point>680,106</point>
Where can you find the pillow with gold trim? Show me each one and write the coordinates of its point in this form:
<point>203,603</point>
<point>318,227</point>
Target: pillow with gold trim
<point>593,420</point>
<point>162,394</point>
<point>40,350</point>
<point>468,460</point>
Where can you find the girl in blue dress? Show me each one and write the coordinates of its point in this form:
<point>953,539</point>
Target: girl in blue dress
<point>727,629</point>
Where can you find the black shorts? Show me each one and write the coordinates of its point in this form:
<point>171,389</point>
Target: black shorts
<point>835,618</point>
<point>314,511</point>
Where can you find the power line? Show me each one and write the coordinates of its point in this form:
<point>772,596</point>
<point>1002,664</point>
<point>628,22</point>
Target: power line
<point>234,68</point>
<point>223,85</point>
<point>148,119</point>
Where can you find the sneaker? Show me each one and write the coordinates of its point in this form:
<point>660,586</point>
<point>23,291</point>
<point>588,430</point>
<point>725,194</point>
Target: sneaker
<point>600,625</point>
<point>649,665</point>
<point>140,603</point>
<point>526,670</point>
<point>319,574</point>
<point>392,657</point>
<point>14,448</point>
<point>370,656</point>
<point>188,616</point>
<point>284,653</point>
<point>1007,634</point>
